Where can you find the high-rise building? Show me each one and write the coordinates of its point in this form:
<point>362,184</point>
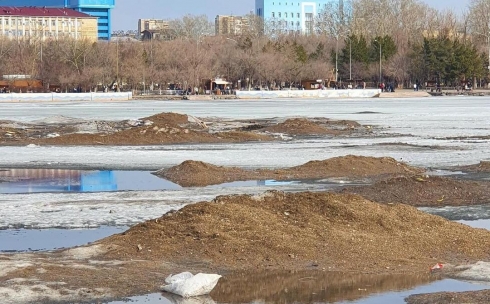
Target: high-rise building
<point>22,23</point>
<point>230,25</point>
<point>97,8</point>
<point>293,15</point>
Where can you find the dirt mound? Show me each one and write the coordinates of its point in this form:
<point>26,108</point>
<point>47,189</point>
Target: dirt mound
<point>298,126</point>
<point>303,126</point>
<point>275,229</point>
<point>163,128</point>
<point>167,128</point>
<point>482,167</point>
<point>426,191</point>
<point>194,174</point>
<point>358,166</point>
<point>168,119</point>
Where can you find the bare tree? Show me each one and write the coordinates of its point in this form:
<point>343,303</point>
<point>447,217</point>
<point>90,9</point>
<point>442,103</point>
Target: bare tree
<point>192,27</point>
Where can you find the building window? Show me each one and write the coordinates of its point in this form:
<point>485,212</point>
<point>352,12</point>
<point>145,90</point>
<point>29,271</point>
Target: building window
<point>292,23</point>
<point>279,14</point>
<point>273,15</point>
<point>285,15</point>
<point>298,15</point>
<point>308,23</point>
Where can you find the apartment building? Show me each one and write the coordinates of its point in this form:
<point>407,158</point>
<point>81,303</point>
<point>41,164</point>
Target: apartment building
<point>152,25</point>
<point>46,23</point>
<point>291,16</point>
<point>230,25</point>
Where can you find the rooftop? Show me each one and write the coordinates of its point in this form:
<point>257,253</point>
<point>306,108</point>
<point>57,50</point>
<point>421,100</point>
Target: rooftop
<point>39,11</point>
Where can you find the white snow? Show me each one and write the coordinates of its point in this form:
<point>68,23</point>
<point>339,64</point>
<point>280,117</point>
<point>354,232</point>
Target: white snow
<point>475,272</point>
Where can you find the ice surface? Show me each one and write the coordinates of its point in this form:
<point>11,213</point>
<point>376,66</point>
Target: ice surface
<point>91,210</point>
<point>424,122</point>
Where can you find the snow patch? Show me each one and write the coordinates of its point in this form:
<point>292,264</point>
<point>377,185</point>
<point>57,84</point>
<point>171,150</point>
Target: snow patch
<point>83,253</point>
<point>476,272</point>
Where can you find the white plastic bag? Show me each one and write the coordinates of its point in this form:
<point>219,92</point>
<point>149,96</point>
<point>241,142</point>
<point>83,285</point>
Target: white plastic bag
<point>186,285</point>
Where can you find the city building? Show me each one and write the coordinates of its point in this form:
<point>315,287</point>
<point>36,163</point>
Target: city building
<point>292,16</point>
<point>22,23</point>
<point>97,8</point>
<point>158,29</point>
<point>230,25</point>
<point>152,25</point>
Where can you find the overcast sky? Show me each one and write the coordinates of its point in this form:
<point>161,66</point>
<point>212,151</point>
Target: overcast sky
<point>127,12</point>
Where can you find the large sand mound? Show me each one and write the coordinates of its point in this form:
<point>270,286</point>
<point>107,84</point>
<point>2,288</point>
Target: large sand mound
<point>426,191</point>
<point>195,173</point>
<point>275,229</point>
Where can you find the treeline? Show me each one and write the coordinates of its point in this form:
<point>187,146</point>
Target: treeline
<point>413,43</point>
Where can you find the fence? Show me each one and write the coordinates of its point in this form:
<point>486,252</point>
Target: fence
<point>308,94</point>
<point>110,96</point>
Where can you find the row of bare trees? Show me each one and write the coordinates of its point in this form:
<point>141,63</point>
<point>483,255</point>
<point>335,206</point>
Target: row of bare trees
<point>265,54</point>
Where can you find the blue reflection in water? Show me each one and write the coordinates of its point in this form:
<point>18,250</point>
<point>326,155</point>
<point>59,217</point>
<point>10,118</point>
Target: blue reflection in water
<point>57,180</point>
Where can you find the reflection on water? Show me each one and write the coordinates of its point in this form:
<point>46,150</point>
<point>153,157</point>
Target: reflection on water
<point>55,180</point>
<point>58,180</point>
<point>315,287</point>
<point>309,286</point>
<point>16,240</point>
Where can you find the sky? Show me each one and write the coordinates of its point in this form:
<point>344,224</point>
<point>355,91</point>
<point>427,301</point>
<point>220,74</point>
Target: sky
<point>127,12</point>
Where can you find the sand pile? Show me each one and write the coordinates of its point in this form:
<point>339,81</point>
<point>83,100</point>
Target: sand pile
<point>426,191</point>
<point>195,173</point>
<point>167,128</point>
<point>163,128</point>
<point>303,126</point>
<point>294,230</point>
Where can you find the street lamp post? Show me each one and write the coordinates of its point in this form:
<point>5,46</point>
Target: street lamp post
<point>337,61</point>
<point>380,54</point>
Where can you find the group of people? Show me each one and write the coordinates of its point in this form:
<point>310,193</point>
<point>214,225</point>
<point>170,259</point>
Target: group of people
<point>390,87</point>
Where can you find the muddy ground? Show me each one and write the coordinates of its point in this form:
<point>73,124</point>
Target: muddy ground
<point>196,173</point>
<point>169,128</point>
<point>272,231</point>
<point>425,191</point>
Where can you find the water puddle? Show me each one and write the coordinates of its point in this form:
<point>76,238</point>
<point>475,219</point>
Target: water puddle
<point>483,223</point>
<point>26,240</point>
<point>461,213</point>
<point>315,287</point>
<point>18,181</point>
<point>58,180</point>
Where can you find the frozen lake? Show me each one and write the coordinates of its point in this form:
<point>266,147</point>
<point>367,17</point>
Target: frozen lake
<point>429,132</point>
<point>430,127</point>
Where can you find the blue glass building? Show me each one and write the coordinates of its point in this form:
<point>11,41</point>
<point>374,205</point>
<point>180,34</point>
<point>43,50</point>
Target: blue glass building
<point>97,8</point>
<point>292,15</point>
